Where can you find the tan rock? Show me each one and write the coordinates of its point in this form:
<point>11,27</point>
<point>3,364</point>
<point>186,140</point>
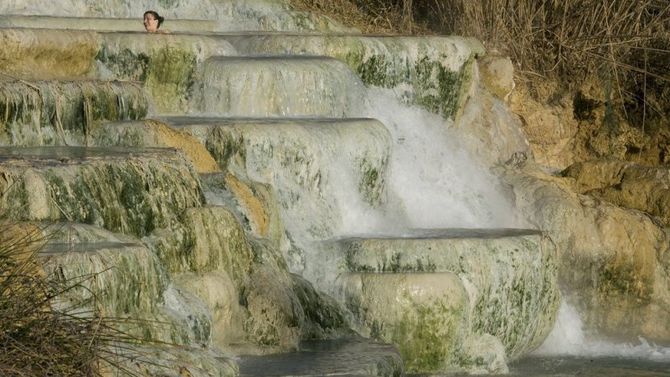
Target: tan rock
<point>218,242</point>
<point>47,54</point>
<point>252,202</point>
<point>497,75</point>
<point>275,314</point>
<point>625,184</point>
<point>163,135</point>
<point>219,293</point>
<point>614,261</point>
<point>491,132</point>
<point>421,313</point>
<point>550,129</point>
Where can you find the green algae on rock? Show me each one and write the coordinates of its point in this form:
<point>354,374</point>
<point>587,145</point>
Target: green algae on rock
<point>121,278</point>
<point>434,72</point>
<point>167,64</point>
<point>509,278</point>
<point>132,192</point>
<point>424,315</point>
<point>64,112</point>
<point>303,150</point>
<point>205,239</point>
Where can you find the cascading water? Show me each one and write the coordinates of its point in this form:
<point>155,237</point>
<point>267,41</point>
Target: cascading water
<point>378,173</point>
<point>432,182</point>
<point>436,180</point>
<point>568,338</point>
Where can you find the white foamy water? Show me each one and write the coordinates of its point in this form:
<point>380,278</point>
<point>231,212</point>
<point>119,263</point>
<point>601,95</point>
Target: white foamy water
<point>433,177</point>
<point>568,339</point>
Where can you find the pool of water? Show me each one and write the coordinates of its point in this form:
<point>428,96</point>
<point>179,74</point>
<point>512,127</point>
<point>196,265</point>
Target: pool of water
<point>588,366</point>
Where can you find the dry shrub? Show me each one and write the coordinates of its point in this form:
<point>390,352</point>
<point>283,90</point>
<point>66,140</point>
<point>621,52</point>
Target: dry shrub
<point>624,45</point>
<point>36,337</point>
<point>371,17</point>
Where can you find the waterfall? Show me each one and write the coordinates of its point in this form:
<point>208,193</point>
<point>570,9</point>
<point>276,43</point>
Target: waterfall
<point>434,178</point>
<point>432,181</point>
<point>568,338</point>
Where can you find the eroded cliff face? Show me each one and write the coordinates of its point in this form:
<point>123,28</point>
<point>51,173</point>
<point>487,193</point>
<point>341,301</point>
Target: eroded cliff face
<point>567,127</point>
<point>598,187</point>
<point>614,264</point>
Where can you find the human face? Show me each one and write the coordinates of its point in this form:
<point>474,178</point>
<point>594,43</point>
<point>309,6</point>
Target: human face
<point>150,23</point>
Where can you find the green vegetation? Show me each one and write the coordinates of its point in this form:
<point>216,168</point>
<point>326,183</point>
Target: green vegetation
<point>125,64</point>
<point>439,89</point>
<point>46,112</point>
<point>623,279</point>
<point>168,73</point>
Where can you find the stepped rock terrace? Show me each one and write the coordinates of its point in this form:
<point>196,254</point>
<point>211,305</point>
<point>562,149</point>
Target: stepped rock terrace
<point>230,180</point>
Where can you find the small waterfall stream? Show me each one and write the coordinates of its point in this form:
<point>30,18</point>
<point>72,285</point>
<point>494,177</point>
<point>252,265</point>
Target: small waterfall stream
<point>568,338</point>
<point>434,176</point>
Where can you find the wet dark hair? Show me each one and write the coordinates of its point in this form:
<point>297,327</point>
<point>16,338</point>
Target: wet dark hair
<point>155,16</point>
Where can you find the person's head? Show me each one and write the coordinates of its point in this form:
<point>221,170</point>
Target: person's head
<point>152,21</point>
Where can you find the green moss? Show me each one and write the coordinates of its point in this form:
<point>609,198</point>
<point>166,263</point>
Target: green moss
<point>201,328</point>
<point>439,89</point>
<point>397,264</point>
<point>352,249</point>
<point>625,280</point>
<point>125,198</point>
<point>436,88</point>
<point>168,3</point>
<point>204,240</point>
<point>519,305</point>
<point>376,70</point>
<point>324,316</point>
<point>14,198</point>
<point>372,181</point>
<point>168,73</point>
<point>427,337</point>
<point>125,64</point>
<point>429,265</point>
<point>170,78</point>
<point>224,146</point>
<point>353,58</point>
<point>47,112</point>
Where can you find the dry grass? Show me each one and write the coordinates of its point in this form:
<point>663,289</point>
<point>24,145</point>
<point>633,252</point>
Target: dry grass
<point>370,17</point>
<point>622,45</point>
<point>36,337</point>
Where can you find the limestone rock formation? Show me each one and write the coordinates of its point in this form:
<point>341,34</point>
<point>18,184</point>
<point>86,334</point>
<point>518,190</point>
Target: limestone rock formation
<point>613,261</point>
<point>626,184</point>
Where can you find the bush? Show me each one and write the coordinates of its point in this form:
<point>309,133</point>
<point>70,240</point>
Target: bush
<point>623,44</point>
<point>37,338</point>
